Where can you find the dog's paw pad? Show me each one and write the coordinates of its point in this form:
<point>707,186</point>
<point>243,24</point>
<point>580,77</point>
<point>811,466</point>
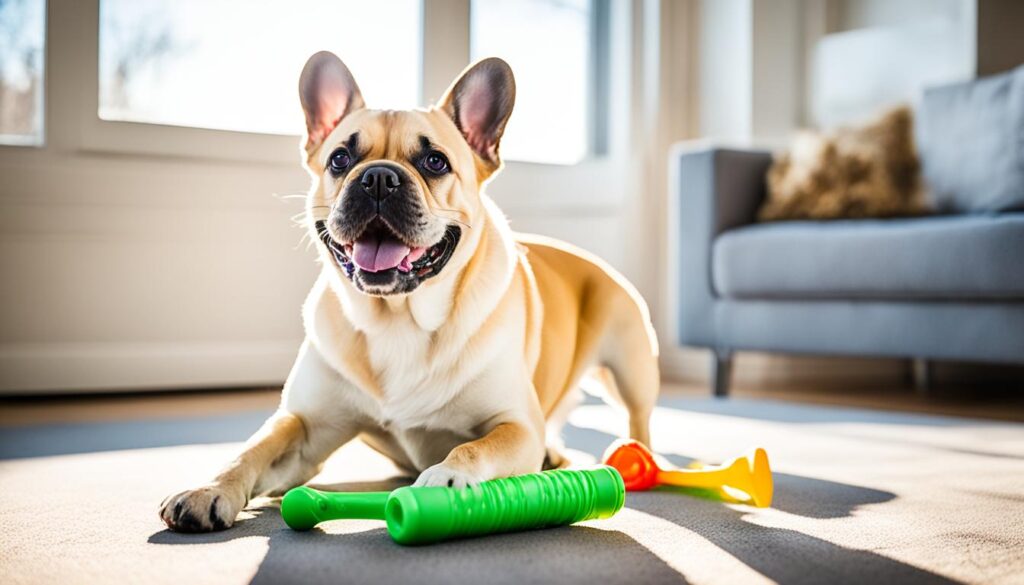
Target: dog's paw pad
<point>201,510</point>
<point>445,476</point>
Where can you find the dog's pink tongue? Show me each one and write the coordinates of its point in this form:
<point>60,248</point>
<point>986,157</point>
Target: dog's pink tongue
<point>374,254</point>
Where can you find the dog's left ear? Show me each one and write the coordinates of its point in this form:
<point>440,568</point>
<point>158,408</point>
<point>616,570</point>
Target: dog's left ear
<point>328,93</point>
<point>480,102</point>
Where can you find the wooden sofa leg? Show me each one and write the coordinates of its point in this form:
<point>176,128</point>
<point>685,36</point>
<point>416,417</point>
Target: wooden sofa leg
<point>923,374</point>
<point>721,371</point>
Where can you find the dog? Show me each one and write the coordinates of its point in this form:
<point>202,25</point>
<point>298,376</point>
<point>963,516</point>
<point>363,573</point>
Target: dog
<point>433,333</point>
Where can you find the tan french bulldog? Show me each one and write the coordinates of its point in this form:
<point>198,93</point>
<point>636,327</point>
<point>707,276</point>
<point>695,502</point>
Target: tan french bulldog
<point>437,335</point>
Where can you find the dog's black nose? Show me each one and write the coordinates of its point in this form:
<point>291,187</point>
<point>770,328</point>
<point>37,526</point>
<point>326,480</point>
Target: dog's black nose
<point>379,182</point>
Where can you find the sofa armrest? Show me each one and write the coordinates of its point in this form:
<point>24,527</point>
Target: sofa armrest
<point>714,190</point>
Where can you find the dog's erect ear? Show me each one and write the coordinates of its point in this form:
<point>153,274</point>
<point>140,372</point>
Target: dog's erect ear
<point>328,93</point>
<point>480,102</point>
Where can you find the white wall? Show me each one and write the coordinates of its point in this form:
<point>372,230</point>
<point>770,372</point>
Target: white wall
<point>750,70</point>
<point>878,54</point>
<point>123,271</point>
<point>776,68</point>
<point>135,256</point>
<point>855,14</point>
<point>142,268</point>
<point>768,67</point>
<point>726,61</point>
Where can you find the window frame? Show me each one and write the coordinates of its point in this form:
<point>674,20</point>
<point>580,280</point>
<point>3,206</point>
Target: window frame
<point>17,141</point>
<point>154,139</point>
<point>597,82</point>
<point>72,122</point>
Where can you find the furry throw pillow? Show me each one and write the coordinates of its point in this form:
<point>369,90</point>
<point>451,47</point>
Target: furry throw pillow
<point>852,172</point>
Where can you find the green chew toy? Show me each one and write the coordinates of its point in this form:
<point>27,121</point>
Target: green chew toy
<point>423,515</point>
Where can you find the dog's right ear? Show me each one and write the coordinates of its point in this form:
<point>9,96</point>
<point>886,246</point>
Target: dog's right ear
<point>328,93</point>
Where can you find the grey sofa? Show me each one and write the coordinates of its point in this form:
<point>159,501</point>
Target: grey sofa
<point>948,286</point>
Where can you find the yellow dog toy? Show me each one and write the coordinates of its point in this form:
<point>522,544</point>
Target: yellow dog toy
<point>746,479</point>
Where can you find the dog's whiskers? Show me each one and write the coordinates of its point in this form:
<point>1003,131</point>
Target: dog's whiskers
<point>304,239</point>
<point>299,220</point>
<point>455,219</point>
<point>301,217</point>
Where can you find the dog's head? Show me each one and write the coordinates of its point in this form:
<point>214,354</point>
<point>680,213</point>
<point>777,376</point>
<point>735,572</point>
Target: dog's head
<point>394,190</point>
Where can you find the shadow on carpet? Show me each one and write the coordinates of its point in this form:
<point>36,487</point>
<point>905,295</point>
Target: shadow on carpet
<point>369,556</point>
<point>578,554</point>
<point>796,494</point>
<point>782,555</point>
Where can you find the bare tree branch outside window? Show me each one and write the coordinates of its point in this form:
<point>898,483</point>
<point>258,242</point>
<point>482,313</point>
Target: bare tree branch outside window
<point>21,71</point>
<point>136,43</point>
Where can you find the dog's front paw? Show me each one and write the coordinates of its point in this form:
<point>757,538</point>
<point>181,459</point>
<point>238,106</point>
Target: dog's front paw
<point>443,474</point>
<point>204,509</point>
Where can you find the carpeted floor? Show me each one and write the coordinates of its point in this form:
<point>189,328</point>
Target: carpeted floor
<point>861,497</point>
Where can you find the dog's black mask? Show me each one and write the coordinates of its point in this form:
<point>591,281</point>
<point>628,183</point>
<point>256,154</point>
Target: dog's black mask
<point>383,204</point>
<point>386,193</point>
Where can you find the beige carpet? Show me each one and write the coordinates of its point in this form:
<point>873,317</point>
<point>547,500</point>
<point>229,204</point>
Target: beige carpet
<point>861,497</point>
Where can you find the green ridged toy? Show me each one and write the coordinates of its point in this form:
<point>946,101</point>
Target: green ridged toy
<point>423,515</point>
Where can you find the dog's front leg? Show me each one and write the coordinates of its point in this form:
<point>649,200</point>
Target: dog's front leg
<point>215,505</point>
<point>510,442</point>
<point>287,451</point>
<point>510,448</point>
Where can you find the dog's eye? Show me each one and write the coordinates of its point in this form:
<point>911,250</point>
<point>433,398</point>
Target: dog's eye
<point>436,163</point>
<point>340,160</point>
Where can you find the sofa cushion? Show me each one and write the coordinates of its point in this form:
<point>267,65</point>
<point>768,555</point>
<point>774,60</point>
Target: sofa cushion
<point>972,144</point>
<point>947,257</point>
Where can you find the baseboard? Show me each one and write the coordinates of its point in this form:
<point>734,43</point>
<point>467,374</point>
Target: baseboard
<point>690,365</point>
<point>45,368</point>
<point>67,368</point>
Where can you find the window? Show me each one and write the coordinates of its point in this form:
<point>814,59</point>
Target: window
<point>548,45</point>
<point>229,65</point>
<point>22,29</point>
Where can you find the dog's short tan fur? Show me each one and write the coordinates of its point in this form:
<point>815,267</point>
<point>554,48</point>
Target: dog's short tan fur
<point>457,379</point>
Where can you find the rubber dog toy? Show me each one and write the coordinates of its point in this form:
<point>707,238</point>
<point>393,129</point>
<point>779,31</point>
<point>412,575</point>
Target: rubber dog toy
<point>423,515</point>
<point>749,474</point>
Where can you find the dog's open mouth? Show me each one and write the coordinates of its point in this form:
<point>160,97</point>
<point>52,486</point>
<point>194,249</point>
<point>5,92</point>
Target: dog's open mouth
<point>379,253</point>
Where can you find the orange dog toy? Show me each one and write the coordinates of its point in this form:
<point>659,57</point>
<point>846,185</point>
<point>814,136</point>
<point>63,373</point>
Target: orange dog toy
<point>745,479</point>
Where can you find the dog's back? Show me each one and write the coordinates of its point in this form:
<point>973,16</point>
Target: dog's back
<point>592,317</point>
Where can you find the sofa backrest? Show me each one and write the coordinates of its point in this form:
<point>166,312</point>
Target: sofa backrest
<point>972,144</point>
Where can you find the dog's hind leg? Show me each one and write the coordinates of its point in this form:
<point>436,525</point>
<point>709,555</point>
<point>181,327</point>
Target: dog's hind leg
<point>554,457</point>
<point>629,353</point>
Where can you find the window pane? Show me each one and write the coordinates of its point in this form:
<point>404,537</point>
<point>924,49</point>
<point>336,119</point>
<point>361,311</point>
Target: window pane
<point>547,43</point>
<point>235,65</point>
<point>22,28</point>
